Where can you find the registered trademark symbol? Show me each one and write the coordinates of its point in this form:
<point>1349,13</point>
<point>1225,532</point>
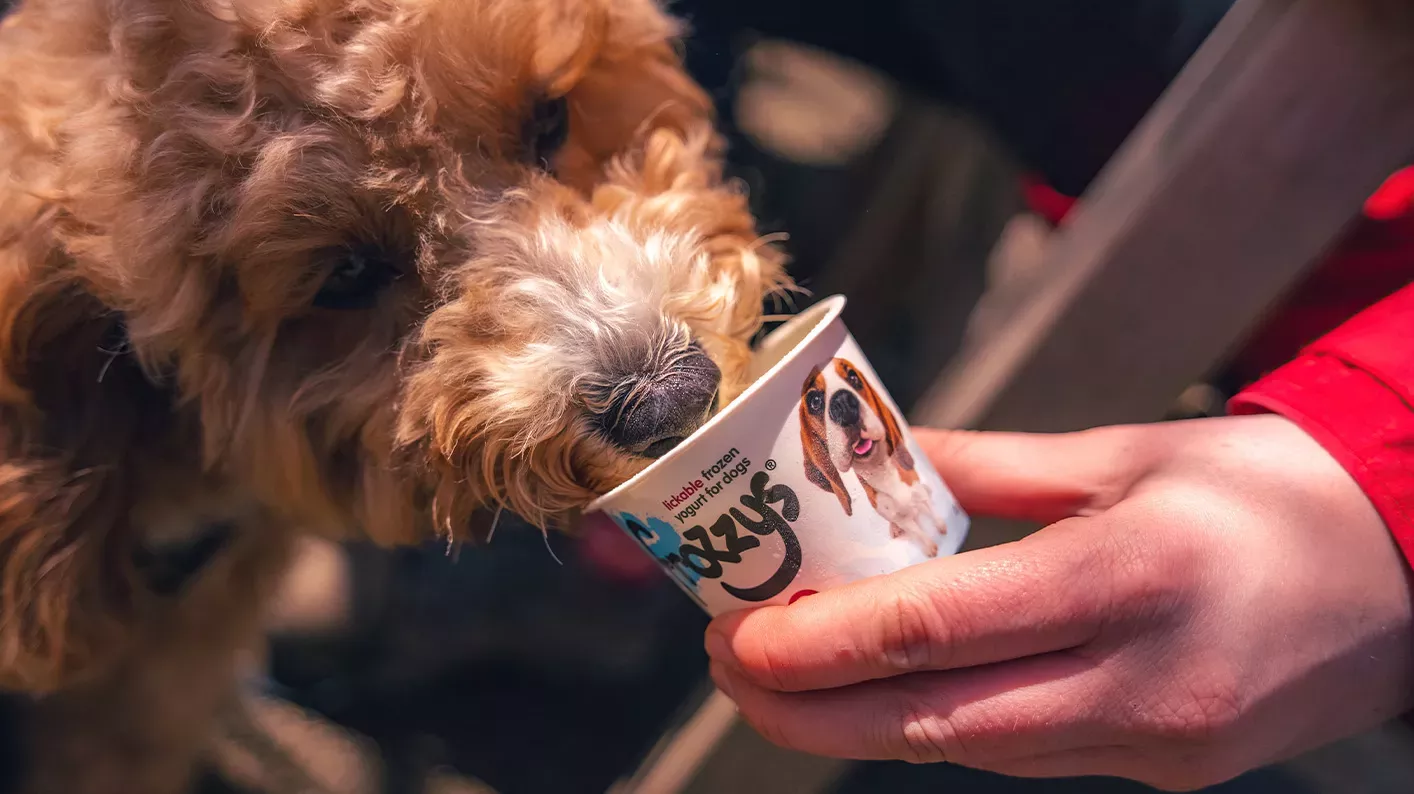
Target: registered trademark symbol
<point>770,465</point>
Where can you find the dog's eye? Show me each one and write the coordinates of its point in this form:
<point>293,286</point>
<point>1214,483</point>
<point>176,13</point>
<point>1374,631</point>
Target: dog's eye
<point>815,402</point>
<point>853,379</point>
<point>358,276</point>
<point>547,130</point>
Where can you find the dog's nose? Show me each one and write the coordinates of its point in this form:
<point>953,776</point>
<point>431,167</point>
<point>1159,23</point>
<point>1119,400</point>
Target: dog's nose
<point>844,408</point>
<point>663,412</point>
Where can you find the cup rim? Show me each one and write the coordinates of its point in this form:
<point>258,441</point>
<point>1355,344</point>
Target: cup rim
<point>822,313</point>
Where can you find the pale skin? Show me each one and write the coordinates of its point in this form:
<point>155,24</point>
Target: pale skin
<point>1207,597</point>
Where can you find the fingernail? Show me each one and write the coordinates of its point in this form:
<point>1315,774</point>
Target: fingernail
<point>718,648</point>
<point>721,678</point>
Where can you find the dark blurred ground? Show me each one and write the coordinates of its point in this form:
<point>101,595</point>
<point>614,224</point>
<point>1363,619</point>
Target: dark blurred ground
<point>530,676</point>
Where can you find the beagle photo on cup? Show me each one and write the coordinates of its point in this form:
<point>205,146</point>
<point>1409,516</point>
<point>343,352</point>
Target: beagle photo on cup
<point>846,427</point>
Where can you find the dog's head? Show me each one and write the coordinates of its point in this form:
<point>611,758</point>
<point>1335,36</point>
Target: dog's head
<point>843,424</point>
<point>402,259</point>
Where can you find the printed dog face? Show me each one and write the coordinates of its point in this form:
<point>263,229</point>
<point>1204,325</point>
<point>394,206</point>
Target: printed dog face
<point>846,427</point>
<point>394,260</point>
<point>845,424</point>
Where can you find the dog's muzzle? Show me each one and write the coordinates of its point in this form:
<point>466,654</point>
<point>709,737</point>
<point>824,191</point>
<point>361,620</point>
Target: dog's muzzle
<point>653,419</point>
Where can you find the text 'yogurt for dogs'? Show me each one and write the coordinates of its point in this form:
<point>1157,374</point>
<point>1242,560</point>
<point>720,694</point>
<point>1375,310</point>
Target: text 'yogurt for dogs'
<point>809,480</point>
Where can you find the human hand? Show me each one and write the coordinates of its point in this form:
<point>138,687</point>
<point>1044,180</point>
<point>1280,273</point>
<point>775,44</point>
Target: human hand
<point>1213,596</point>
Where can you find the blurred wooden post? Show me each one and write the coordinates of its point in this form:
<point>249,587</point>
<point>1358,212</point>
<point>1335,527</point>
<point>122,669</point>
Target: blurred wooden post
<point>1244,173</point>
<point>1242,176</point>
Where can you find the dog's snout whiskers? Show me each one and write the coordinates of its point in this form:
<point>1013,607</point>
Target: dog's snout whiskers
<point>648,415</point>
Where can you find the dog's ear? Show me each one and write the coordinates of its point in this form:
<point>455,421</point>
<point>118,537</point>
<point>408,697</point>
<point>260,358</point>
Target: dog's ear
<point>893,432</point>
<point>74,410</point>
<point>819,469</point>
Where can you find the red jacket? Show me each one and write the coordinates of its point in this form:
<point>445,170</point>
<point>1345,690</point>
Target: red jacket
<point>1348,382</point>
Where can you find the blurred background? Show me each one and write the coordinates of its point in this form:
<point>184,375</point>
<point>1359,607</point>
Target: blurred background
<point>906,147</point>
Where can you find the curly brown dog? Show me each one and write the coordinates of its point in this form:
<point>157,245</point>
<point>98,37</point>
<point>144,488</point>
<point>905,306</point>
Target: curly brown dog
<point>327,266</point>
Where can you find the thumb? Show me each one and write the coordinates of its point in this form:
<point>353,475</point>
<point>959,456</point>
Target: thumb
<point>1035,477</point>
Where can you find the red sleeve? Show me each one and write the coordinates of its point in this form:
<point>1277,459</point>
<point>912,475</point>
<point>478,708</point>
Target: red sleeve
<point>1353,391</point>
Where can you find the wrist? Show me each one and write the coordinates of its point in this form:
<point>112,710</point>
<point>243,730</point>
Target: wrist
<point>1364,425</point>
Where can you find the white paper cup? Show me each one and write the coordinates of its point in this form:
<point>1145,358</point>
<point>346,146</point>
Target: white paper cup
<point>809,480</point>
